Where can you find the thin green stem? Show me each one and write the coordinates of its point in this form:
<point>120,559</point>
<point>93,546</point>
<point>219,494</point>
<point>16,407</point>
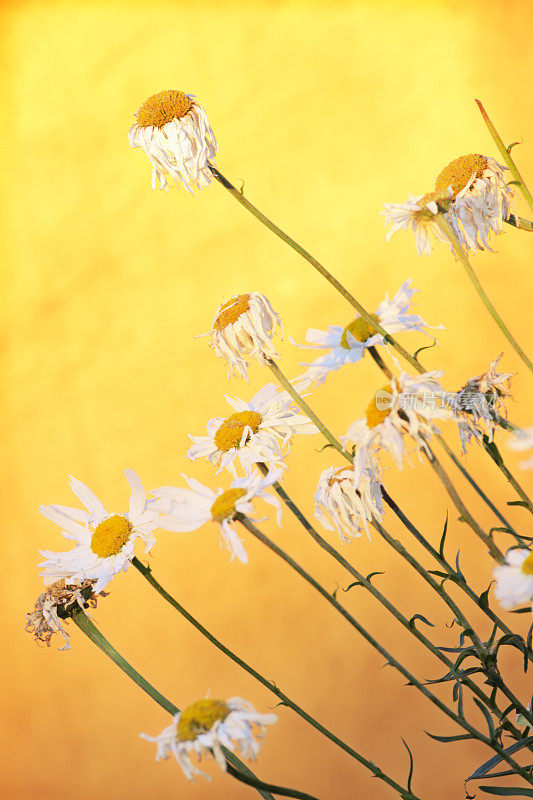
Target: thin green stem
<point>460,255</point>
<point>146,572</point>
<point>495,454</point>
<point>367,584</point>
<point>519,222</point>
<point>506,155</point>
<point>251,528</point>
<point>239,196</point>
<point>466,516</point>
<point>91,631</point>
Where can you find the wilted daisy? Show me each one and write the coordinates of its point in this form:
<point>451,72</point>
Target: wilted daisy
<point>44,620</point>
<point>105,542</point>
<point>348,500</point>
<point>348,345</point>
<point>404,406</point>
<point>514,579</point>
<point>205,727</point>
<point>258,431</point>
<point>523,440</point>
<point>189,509</point>
<point>174,132</point>
<point>471,193</point>
<point>243,329</point>
<point>481,403</point>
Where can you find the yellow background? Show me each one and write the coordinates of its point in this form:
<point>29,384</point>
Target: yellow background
<point>325,111</point>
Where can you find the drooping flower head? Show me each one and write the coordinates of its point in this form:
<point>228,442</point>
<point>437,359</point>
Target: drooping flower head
<point>205,727</point>
<point>514,579</point>
<point>346,501</point>
<point>481,403</point>
<point>471,193</point>
<point>174,132</point>
<point>349,344</point>
<point>45,618</point>
<point>258,431</point>
<point>105,542</point>
<point>189,509</point>
<point>243,329</point>
<point>405,407</point>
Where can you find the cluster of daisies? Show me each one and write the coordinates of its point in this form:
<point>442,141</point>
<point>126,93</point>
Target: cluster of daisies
<point>255,437</point>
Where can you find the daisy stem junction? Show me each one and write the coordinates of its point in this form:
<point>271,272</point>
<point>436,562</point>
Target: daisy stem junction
<point>367,584</point>
<point>239,196</point>
<point>146,572</point>
<point>506,154</point>
<point>460,255</point>
<point>460,720</point>
<point>238,768</point>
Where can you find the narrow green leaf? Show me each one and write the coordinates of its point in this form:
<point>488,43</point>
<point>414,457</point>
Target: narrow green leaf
<point>507,791</point>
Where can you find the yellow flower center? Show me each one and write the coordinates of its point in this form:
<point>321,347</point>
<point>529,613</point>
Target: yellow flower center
<point>162,108</point>
<point>380,406</point>
<point>527,565</point>
<point>360,329</point>
<point>200,718</point>
<point>230,432</point>
<point>231,311</point>
<point>110,536</point>
<point>224,505</point>
<point>458,173</point>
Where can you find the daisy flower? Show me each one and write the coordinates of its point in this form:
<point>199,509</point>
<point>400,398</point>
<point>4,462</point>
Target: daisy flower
<point>405,406</point>
<point>44,620</point>
<point>514,579</point>
<point>347,502</point>
<point>205,727</point>
<point>471,193</point>
<point>174,132</point>
<point>258,431</point>
<point>481,402</point>
<point>523,440</point>
<point>105,542</point>
<point>348,345</point>
<point>189,509</point>
<point>243,329</point>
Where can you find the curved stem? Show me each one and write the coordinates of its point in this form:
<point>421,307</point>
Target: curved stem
<point>460,255</point>
<point>251,528</point>
<point>91,631</point>
<point>506,155</point>
<point>239,196</point>
<point>146,572</point>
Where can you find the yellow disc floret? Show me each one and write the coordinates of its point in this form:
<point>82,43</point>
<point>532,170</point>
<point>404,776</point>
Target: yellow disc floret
<point>110,536</point>
<point>527,565</point>
<point>459,172</point>
<point>231,431</point>
<point>200,718</point>
<point>360,329</point>
<point>231,311</point>
<point>162,108</point>
<point>380,406</point>
<point>224,506</point>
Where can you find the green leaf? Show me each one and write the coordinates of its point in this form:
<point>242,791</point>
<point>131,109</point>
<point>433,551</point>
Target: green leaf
<point>510,147</point>
<point>488,716</point>
<point>443,538</point>
<point>507,791</point>
<point>484,598</point>
<point>517,503</point>
<point>411,765</point>
<point>492,762</point>
<point>420,617</point>
<point>420,350</point>
<point>446,739</point>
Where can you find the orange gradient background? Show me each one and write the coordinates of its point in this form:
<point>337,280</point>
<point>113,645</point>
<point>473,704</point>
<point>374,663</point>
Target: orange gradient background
<point>324,111</point>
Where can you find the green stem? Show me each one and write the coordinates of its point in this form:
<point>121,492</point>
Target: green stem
<point>494,453</point>
<point>239,196</point>
<point>506,155</point>
<point>91,631</point>
<point>269,787</point>
<point>251,528</point>
<point>519,222</point>
<point>466,516</point>
<point>324,544</point>
<point>146,572</point>
<point>460,255</point>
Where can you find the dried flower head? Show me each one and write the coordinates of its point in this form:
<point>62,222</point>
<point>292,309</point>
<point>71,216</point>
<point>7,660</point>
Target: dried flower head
<point>208,725</point>
<point>243,329</point>
<point>471,193</point>
<point>174,132</point>
<point>45,619</point>
<point>346,501</point>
